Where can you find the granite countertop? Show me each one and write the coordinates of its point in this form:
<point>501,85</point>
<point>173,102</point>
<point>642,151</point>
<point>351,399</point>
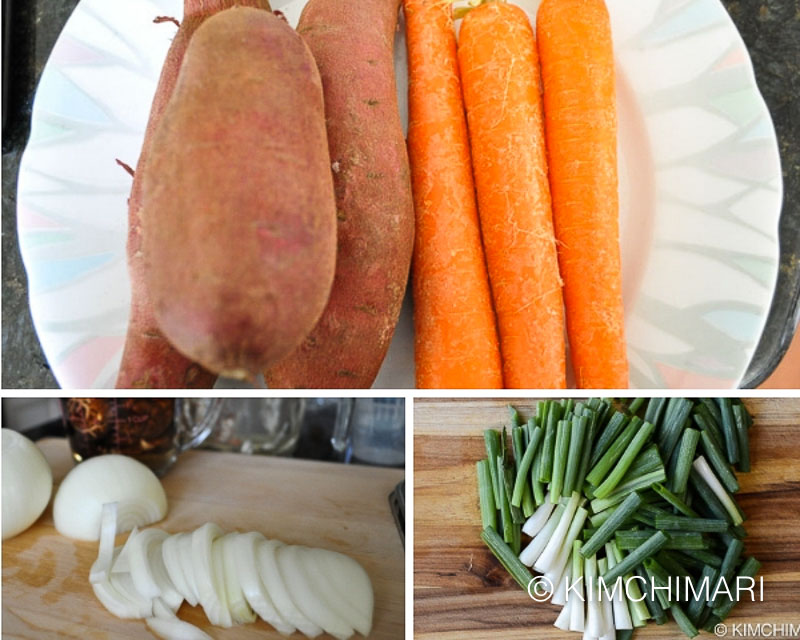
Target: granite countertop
<point>771,29</point>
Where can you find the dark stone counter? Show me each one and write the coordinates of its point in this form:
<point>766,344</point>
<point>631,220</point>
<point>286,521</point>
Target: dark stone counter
<point>771,29</point>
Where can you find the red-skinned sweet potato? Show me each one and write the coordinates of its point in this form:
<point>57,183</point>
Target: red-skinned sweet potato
<point>352,43</point>
<point>149,361</point>
<point>238,210</point>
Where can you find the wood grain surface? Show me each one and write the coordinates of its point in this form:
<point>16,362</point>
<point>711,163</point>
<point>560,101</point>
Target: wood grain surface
<point>461,591</point>
<point>46,592</point>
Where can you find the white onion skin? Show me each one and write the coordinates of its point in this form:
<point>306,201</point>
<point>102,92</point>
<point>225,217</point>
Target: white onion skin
<point>108,478</point>
<point>27,483</point>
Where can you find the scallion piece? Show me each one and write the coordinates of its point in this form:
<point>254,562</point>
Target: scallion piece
<point>719,463</point>
<point>635,405</point>
<point>654,607</point>
<point>749,569</point>
<point>613,429</point>
<point>727,566</point>
<point>504,505</point>
<point>574,456</point>
<point>682,523</point>
<point>654,411</point>
<point>492,439</point>
<point>683,464</point>
<point>507,558</point>
<point>517,517</point>
<point>488,510</point>
<point>704,556</point>
<point>705,423</point>
<point>549,443</point>
<point>701,466</point>
<point>606,531</point>
<point>674,500</point>
<point>626,487</point>
<point>525,465</point>
<point>614,453</point>
<point>559,460</point>
<point>626,460</point>
<point>678,540</point>
<point>682,620</point>
<point>708,576</point>
<point>729,429</point>
<point>660,578</point>
<point>517,446</point>
<point>740,418</point>
<point>647,549</point>
<point>677,414</point>
<point>513,416</point>
<point>536,484</point>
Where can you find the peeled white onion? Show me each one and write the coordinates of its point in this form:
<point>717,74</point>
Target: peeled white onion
<point>27,483</point>
<point>109,478</point>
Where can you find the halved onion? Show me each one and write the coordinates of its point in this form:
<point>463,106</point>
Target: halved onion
<point>27,483</point>
<point>109,478</point>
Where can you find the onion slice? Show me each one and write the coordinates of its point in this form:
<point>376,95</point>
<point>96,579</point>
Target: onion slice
<point>349,579</point>
<point>208,588</point>
<point>303,596</point>
<point>166,625</point>
<point>241,612</point>
<point>319,577</point>
<point>255,592</point>
<point>273,580</point>
<point>171,557</point>
<point>187,564</point>
<point>105,553</point>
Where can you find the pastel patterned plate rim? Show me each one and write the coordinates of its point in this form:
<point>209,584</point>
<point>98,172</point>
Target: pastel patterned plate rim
<point>700,186</point>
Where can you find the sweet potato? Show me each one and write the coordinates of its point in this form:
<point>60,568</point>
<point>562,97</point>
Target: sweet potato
<point>149,360</point>
<point>238,208</point>
<point>352,43</point>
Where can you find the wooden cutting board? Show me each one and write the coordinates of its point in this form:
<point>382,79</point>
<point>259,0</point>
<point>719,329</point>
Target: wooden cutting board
<point>460,589</point>
<point>46,592</point>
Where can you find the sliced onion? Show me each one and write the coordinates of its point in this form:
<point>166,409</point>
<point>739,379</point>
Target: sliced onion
<point>148,571</point>
<point>187,564</point>
<point>218,577</point>
<point>171,557</point>
<point>122,564</point>
<point>166,625</point>
<point>325,589</point>
<point>109,478</point>
<point>105,553</point>
<point>254,589</point>
<point>272,579</point>
<point>208,592</point>
<point>116,593</point>
<point>27,483</point>
<point>241,613</point>
<point>350,579</point>
<point>303,596</point>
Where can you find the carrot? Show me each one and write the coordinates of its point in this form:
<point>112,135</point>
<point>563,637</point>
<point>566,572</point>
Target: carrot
<point>499,72</point>
<point>577,59</point>
<point>149,360</point>
<point>456,344</point>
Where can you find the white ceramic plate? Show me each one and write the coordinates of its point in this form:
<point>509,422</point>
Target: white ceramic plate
<point>700,187</point>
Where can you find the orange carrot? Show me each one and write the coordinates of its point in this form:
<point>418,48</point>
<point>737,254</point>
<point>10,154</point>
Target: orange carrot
<point>456,343</point>
<point>499,72</point>
<point>574,38</point>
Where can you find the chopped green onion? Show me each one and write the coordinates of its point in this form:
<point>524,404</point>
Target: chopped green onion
<point>655,409</point>
<point>704,556</point>
<point>678,412</point>
<point>696,606</point>
<point>525,465</point>
<point>727,566</point>
<point>614,453</point>
<point>740,418</point>
<point>635,405</point>
<point>674,500</point>
<point>507,558</point>
<point>492,440</point>
<point>705,423</point>
<point>606,531</point>
<point>647,549</point>
<point>628,539</point>
<point>513,416</point>
<point>749,569</point>
<point>654,607</point>
<point>729,429</point>
<point>612,431</point>
<point>549,443</point>
<point>626,487</point>
<point>701,466</point>
<point>683,464</point>
<point>488,510</point>
<point>682,523</point>
<point>575,454</point>
<point>682,620</point>
<point>719,463</point>
<point>623,464</point>
<point>559,460</point>
<point>517,516</point>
